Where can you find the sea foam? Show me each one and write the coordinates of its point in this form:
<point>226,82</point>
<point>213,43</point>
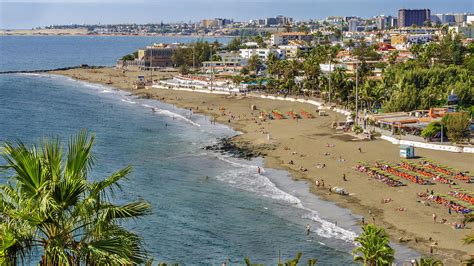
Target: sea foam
<point>245,177</point>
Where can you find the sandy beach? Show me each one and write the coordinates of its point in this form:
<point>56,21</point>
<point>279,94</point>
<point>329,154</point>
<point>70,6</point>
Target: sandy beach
<point>302,146</point>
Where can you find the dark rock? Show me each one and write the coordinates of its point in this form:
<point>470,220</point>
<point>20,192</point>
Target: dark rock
<point>227,146</point>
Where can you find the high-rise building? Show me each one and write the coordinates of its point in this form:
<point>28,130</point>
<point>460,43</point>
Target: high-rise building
<point>442,19</point>
<point>392,22</point>
<point>381,22</point>
<point>353,24</point>
<point>460,18</point>
<point>409,17</point>
<point>270,21</point>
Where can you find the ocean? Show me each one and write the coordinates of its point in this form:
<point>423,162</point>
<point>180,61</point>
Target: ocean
<point>208,208</point>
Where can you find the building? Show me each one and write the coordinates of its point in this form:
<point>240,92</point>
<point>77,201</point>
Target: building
<point>262,53</point>
<point>381,22</point>
<point>158,55</point>
<point>393,22</point>
<point>467,31</point>
<point>353,25</point>
<point>214,23</point>
<point>409,17</point>
<point>283,38</point>
<point>442,19</point>
<point>270,21</point>
<point>397,40</point>
<point>228,63</point>
<point>460,18</point>
<point>470,19</point>
<point>282,20</point>
<point>419,38</point>
<point>291,51</point>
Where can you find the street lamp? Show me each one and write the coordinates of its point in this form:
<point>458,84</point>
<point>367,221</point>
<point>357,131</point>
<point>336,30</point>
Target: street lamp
<point>357,94</point>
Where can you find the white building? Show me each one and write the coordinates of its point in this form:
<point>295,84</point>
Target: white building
<point>470,19</point>
<point>285,37</point>
<point>326,68</point>
<point>419,38</point>
<point>467,31</point>
<point>262,53</point>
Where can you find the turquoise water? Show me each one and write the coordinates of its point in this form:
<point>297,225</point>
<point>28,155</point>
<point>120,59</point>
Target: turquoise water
<point>196,220</point>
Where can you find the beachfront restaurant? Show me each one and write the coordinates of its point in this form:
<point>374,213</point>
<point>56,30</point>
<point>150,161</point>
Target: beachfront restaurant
<point>399,123</point>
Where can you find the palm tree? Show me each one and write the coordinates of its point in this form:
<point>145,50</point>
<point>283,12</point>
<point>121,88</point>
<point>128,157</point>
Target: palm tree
<point>468,239</point>
<point>50,206</point>
<point>374,247</point>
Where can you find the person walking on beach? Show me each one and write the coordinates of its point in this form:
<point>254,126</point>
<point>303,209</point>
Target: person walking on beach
<point>360,150</point>
<point>308,229</point>
<point>434,217</point>
<point>344,177</point>
<point>258,169</point>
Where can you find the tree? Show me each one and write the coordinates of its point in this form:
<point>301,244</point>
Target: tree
<point>50,204</point>
<point>244,71</point>
<point>468,239</point>
<point>234,44</point>
<point>193,54</point>
<point>129,57</point>
<point>457,126</point>
<point>392,57</point>
<point>254,63</point>
<point>184,69</point>
<point>374,249</point>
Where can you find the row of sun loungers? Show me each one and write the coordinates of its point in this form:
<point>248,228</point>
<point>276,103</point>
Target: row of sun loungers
<point>379,175</point>
<point>276,114</point>
<point>447,202</point>
<point>446,171</point>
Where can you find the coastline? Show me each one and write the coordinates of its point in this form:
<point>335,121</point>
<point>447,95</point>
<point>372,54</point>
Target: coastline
<point>295,138</point>
<point>58,32</point>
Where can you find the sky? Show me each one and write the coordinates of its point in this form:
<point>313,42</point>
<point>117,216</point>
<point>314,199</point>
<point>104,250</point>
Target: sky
<point>25,14</point>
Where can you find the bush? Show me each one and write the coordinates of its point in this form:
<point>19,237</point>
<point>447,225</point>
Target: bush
<point>357,129</point>
<point>431,130</point>
<point>457,126</point>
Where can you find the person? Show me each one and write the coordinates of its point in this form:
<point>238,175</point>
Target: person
<point>449,210</point>
<point>308,229</point>
<point>360,150</point>
<point>258,169</point>
<point>417,179</point>
<point>344,177</point>
<point>322,182</point>
<point>434,217</point>
<point>362,220</point>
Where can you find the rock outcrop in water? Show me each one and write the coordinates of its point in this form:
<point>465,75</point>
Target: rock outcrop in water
<point>227,146</point>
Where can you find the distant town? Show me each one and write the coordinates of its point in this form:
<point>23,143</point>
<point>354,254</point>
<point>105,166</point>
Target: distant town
<point>230,27</point>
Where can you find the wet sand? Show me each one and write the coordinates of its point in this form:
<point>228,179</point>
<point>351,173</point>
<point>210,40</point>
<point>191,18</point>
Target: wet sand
<point>305,142</point>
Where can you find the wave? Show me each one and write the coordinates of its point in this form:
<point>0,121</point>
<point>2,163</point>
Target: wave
<point>127,101</point>
<point>171,114</point>
<point>245,177</point>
